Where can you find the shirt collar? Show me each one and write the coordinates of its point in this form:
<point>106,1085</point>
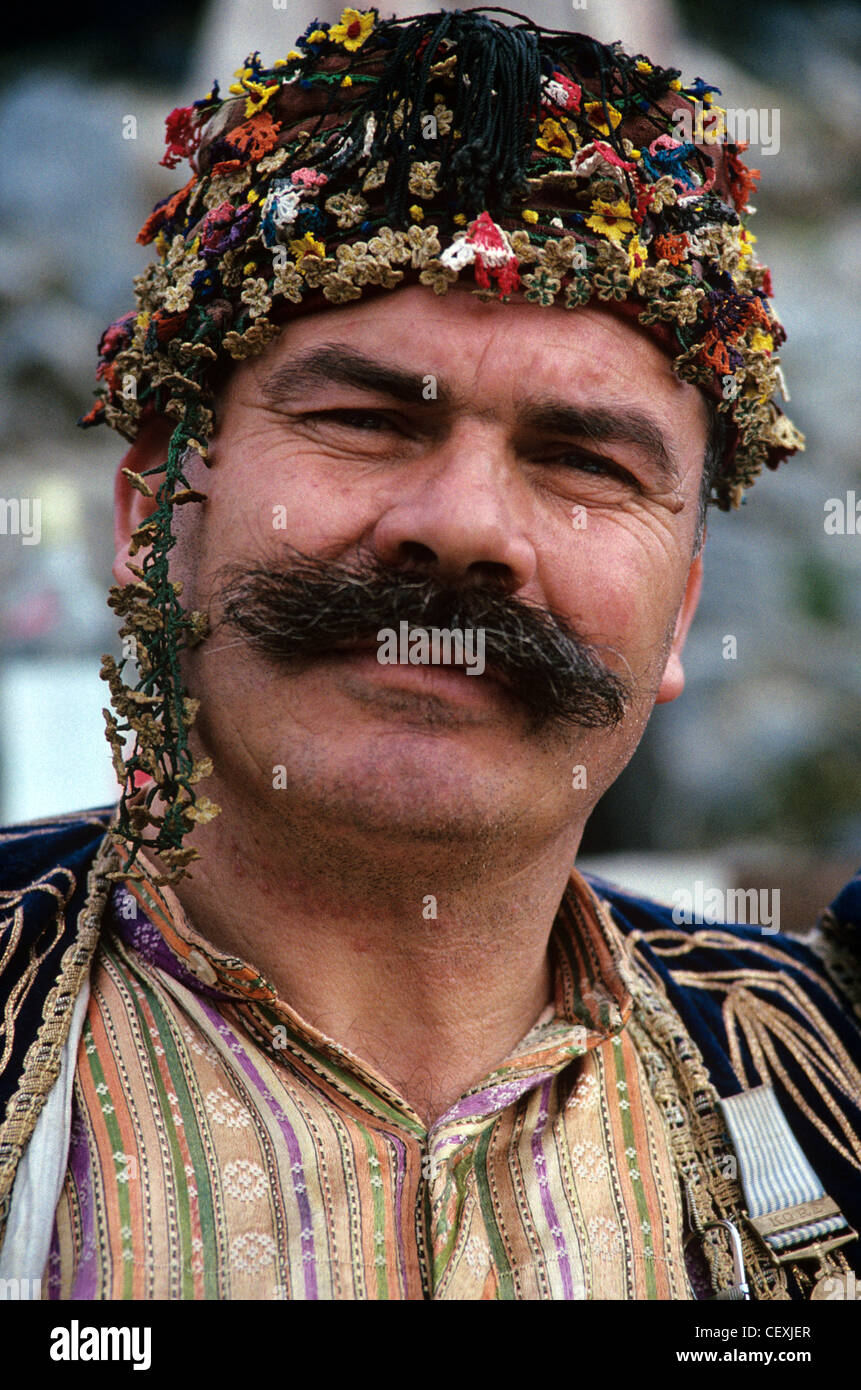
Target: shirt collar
<point>591,1001</point>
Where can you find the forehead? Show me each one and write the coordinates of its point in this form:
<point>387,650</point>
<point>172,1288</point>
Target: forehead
<point>514,350</point>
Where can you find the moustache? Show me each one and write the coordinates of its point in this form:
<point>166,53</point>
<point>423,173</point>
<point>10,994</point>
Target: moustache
<point>304,607</point>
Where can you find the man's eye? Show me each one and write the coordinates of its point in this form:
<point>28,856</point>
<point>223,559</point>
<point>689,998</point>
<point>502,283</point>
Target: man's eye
<point>592,464</point>
<point>371,421</point>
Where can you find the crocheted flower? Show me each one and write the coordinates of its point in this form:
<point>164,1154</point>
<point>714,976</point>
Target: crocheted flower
<point>423,178</point>
<point>601,159</point>
<point>541,288</point>
<point>672,248</point>
<point>178,297</point>
<point>559,90</point>
<point>270,163</point>
<point>762,342</point>
<point>309,178</point>
<point>745,248</point>
<point>654,279</point>
<point>662,194</point>
<point>578,292</point>
<point>438,276</point>
<point>611,284</point>
<point>522,246</point>
<point>554,139</point>
<point>389,245</point>
<point>637,258</point>
<point>484,245</point>
<point>348,208</point>
<point>182,135</point>
<point>316,268</point>
<point>252,341</point>
<point>258,95</point>
<point>381,273</point>
<point>742,181</point>
<point>255,295</point>
<point>289,283</point>
<point>279,211</point>
<point>255,137</point>
<point>376,176</point>
<point>230,269</point>
<point>423,244</point>
<point>686,304</point>
<point>443,117</point>
<point>598,116</point>
<point>315,34</point>
<point>339,290</point>
<point>225,187</point>
<point>307,246</point>
<point>354,28</point>
<point>558,257</point>
<point>613,220</point>
<point>354,262</point>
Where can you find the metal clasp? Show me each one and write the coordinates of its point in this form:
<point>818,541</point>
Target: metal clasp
<point>739,1288</point>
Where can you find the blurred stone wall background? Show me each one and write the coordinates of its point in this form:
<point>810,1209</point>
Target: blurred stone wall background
<point>758,763</point>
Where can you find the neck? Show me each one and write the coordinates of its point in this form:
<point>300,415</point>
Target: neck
<point>425,960</point>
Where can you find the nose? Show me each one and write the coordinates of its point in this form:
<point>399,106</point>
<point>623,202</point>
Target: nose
<point>461,516</point>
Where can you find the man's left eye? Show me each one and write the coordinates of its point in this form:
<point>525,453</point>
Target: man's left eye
<point>370,420</point>
<point>592,464</point>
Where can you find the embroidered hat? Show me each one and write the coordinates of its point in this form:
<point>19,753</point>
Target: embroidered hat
<point>536,164</point>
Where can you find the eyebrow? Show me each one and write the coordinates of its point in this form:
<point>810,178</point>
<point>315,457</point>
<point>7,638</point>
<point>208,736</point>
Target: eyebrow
<point>341,365</point>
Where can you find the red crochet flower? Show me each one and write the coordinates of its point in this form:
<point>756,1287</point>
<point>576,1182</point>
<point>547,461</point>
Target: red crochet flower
<point>742,181</point>
<point>183,130</point>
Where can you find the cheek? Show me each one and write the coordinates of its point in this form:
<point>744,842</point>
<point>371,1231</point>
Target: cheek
<point>621,585</point>
<point>280,495</point>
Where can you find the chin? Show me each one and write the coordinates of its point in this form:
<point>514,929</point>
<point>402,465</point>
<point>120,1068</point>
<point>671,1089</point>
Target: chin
<point>409,784</point>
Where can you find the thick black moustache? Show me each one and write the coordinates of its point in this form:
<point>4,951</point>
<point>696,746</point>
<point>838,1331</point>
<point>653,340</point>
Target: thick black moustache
<point>305,607</point>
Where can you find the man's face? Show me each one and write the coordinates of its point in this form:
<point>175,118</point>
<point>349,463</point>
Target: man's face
<point>549,453</point>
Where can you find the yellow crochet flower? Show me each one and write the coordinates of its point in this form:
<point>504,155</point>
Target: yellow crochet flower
<point>353,29</point>
<point>637,258</point>
<point>611,220</point>
<point>554,139</point>
<point>762,342</point>
<point>258,96</point>
<point>745,249</point>
<point>307,246</point>
<point>597,119</point>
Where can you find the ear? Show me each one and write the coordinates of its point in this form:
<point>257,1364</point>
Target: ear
<point>131,507</point>
<point>673,679</point>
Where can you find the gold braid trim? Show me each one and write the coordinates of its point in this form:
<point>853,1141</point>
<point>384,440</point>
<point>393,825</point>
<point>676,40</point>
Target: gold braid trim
<point>761,1023</point>
<point>42,1062</point>
<point>704,1158</point>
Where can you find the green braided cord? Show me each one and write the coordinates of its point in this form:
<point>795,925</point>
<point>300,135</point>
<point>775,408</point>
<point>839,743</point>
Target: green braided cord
<point>157,709</point>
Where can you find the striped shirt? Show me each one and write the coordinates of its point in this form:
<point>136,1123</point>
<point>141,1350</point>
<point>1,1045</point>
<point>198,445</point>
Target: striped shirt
<point>224,1148</point>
